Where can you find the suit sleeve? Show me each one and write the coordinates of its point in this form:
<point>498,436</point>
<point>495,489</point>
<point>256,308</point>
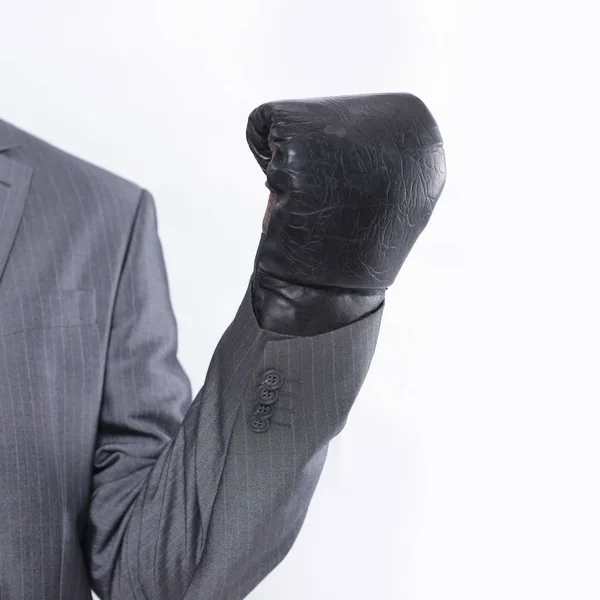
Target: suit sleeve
<point>201,500</point>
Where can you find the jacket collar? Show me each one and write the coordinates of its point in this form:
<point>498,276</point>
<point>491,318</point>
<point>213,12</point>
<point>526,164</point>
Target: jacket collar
<point>8,138</point>
<point>15,178</point>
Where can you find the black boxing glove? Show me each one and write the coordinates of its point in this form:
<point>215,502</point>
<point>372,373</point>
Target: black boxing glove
<point>353,182</point>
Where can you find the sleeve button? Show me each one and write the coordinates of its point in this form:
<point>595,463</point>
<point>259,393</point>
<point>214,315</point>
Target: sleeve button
<point>263,410</point>
<point>267,396</point>
<point>259,424</point>
<point>272,380</point>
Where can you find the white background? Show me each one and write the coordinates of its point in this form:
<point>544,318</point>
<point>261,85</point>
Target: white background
<point>469,467</point>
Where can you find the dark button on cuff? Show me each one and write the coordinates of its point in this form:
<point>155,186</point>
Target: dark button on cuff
<point>267,396</point>
<point>263,410</point>
<point>259,424</point>
<point>272,380</point>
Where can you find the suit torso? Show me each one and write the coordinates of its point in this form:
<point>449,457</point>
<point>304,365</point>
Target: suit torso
<point>64,226</point>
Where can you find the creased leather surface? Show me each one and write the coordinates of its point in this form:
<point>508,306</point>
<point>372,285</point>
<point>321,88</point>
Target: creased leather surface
<point>353,182</point>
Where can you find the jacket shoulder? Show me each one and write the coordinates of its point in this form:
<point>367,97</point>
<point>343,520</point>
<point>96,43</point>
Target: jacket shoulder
<point>70,171</point>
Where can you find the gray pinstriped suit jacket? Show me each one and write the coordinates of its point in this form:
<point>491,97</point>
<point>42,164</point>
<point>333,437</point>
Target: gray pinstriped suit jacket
<point>110,476</point>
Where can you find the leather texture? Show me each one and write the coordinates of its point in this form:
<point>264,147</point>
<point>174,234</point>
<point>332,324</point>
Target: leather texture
<point>111,477</point>
<point>353,181</point>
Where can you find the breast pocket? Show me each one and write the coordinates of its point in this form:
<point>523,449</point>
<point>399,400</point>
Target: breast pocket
<point>58,309</point>
<point>49,346</point>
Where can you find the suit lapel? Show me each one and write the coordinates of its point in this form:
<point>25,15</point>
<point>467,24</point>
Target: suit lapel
<point>8,139</point>
<point>15,178</point>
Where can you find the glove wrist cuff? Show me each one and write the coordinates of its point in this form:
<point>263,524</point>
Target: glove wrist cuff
<point>294,309</point>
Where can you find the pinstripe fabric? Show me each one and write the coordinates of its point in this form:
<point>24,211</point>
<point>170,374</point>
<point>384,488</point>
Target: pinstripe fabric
<point>110,476</point>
